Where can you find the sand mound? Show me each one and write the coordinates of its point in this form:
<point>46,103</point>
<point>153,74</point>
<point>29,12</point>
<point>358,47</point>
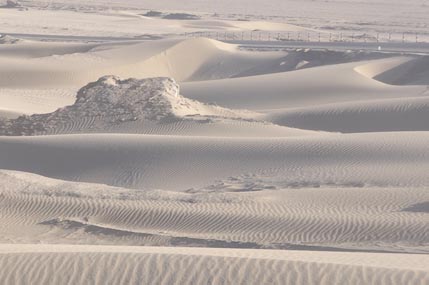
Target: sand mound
<point>181,16</point>
<point>413,72</point>
<point>9,40</point>
<point>110,102</point>
<point>410,70</point>
<point>11,4</point>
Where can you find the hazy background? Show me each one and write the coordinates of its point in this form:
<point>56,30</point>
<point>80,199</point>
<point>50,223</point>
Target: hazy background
<point>270,7</point>
<point>377,15</point>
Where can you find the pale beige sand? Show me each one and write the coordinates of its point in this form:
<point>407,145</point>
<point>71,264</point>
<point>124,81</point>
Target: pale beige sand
<point>136,161</point>
<point>249,158</point>
<point>143,265</point>
<point>184,60</point>
<point>386,115</point>
<point>329,84</point>
<point>117,23</point>
<point>49,78</point>
<point>267,214</point>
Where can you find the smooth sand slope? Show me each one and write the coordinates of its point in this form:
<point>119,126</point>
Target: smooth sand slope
<point>389,115</point>
<point>48,77</point>
<point>54,77</point>
<point>191,59</point>
<point>370,114</point>
<point>135,161</point>
<point>408,72</point>
<point>329,84</point>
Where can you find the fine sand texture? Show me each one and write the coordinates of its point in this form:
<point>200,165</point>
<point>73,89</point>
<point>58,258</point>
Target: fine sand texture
<point>141,156</point>
<point>137,265</point>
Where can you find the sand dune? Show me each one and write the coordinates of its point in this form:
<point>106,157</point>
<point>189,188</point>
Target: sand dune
<point>147,106</point>
<point>402,114</point>
<point>139,161</point>
<point>194,59</point>
<point>329,84</point>
<point>375,68</point>
<point>208,68</point>
<point>407,71</point>
<point>305,58</point>
<point>34,49</point>
<point>36,82</point>
<point>131,154</point>
<point>137,265</point>
<point>326,218</point>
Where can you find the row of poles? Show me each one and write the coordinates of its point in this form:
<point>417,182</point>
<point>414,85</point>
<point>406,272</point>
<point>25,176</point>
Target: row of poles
<point>307,36</point>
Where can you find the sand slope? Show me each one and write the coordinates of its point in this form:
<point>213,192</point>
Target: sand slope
<point>251,212</point>
<point>181,59</point>
<point>329,84</point>
<point>411,71</point>
<point>401,114</point>
<point>50,69</point>
<point>41,77</point>
<point>139,161</point>
<point>132,265</point>
<point>146,106</point>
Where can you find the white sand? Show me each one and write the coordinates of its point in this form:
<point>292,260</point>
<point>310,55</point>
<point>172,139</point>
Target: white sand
<point>315,161</point>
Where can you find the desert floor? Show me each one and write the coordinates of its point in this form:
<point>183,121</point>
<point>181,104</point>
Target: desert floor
<point>134,153</point>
